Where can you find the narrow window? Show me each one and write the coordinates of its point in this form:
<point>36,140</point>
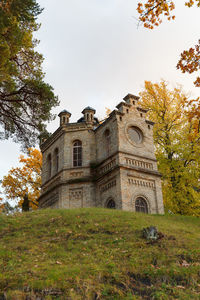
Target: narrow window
<point>56,160</point>
<point>77,154</point>
<point>127,111</point>
<point>141,205</point>
<point>107,141</point>
<point>49,166</point>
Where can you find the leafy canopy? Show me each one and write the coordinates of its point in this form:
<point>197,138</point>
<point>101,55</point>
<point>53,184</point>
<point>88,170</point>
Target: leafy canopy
<point>177,142</point>
<point>25,99</point>
<point>151,14</point>
<point>25,180</point>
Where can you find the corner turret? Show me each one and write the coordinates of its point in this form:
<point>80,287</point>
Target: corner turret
<point>89,114</point>
<point>64,117</point>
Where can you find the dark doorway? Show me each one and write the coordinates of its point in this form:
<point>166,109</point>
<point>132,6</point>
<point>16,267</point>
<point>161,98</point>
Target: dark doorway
<point>111,204</point>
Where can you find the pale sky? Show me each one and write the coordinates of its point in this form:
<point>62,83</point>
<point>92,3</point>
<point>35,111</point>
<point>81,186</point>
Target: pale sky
<point>95,54</point>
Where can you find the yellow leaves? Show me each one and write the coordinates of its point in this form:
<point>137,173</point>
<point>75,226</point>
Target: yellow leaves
<point>108,111</point>
<point>26,179</point>
<point>177,142</point>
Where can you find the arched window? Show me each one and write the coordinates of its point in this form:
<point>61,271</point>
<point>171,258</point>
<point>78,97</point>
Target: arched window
<point>49,166</point>
<point>107,141</point>
<point>111,204</point>
<point>56,160</point>
<point>141,205</point>
<point>77,154</point>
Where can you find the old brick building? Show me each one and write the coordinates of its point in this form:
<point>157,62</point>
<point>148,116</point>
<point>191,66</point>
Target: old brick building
<point>111,164</point>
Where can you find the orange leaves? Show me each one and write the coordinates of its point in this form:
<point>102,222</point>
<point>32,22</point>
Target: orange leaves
<point>190,61</point>
<point>25,179</point>
<point>151,12</point>
<point>194,113</point>
<point>150,15</point>
<point>190,3</point>
<point>5,5</point>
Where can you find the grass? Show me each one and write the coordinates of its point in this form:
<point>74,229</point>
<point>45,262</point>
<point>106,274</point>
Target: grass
<point>98,254</point>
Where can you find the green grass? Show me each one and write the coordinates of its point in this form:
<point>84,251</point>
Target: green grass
<point>98,254</point>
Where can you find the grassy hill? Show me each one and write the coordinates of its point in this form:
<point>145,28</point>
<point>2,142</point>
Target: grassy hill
<point>98,254</point>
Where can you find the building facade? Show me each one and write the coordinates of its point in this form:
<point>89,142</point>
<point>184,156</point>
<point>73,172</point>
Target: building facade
<point>112,164</point>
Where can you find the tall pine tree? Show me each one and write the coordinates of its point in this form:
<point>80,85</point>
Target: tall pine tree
<point>25,99</point>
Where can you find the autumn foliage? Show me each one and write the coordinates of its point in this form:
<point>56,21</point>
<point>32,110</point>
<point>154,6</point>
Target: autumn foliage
<point>151,14</point>
<point>152,11</point>
<point>25,180</point>
<point>177,142</point>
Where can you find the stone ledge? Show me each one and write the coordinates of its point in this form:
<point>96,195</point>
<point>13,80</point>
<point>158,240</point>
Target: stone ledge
<point>66,182</point>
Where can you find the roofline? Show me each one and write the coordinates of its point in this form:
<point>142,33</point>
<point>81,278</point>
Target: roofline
<point>128,96</point>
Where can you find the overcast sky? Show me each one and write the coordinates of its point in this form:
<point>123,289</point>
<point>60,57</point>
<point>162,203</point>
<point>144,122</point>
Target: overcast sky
<point>95,54</point>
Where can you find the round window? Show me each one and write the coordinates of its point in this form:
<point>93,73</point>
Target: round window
<point>135,134</point>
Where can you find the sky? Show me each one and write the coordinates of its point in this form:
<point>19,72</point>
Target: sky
<point>95,53</point>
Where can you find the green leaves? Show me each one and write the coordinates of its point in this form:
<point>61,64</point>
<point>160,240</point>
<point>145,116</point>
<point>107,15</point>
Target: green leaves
<point>25,99</point>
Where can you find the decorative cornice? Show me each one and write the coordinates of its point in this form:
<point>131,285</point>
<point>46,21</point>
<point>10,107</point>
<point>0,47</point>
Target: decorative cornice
<point>149,122</point>
<point>123,104</point>
<point>63,129</point>
<point>142,109</point>
<point>52,139</point>
<point>65,182</point>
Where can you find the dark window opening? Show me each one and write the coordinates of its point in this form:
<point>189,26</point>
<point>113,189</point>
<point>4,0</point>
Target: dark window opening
<point>141,205</point>
<point>108,139</point>
<point>77,154</point>
<point>49,166</point>
<point>56,160</point>
<point>127,111</point>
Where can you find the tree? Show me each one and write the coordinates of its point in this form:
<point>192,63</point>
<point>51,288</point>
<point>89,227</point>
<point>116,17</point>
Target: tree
<point>177,143</point>
<point>8,209</point>
<point>24,182</point>
<point>150,15</point>
<point>25,99</point>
